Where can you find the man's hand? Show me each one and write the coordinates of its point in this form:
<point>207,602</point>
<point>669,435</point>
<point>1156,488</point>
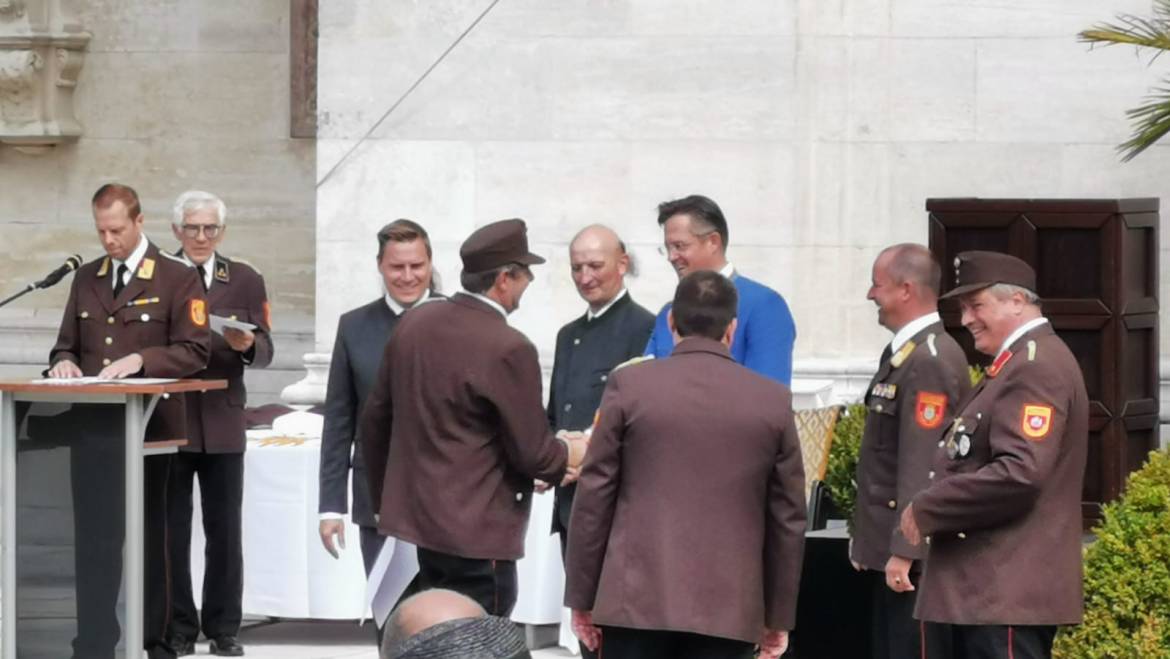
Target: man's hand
<point>540,487</point>
<point>126,366</point>
<point>571,476</point>
<point>329,528</point>
<point>64,369</point>
<point>585,630</point>
<point>578,443</point>
<point>856,566</point>
<point>773,643</point>
<point>909,527</point>
<point>898,574</point>
<point>239,340</point>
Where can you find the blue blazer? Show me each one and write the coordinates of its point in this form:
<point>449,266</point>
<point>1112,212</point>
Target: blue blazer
<point>763,340</point>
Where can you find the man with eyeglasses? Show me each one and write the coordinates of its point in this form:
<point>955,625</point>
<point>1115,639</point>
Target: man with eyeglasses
<point>695,238</point>
<point>405,264</point>
<point>454,431</point>
<point>215,433</point>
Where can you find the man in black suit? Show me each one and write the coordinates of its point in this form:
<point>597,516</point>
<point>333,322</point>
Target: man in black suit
<point>613,330</point>
<point>404,259</point>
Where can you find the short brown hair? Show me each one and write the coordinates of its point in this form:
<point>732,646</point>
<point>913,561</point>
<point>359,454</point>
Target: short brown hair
<point>112,192</point>
<point>705,303</point>
<point>403,231</point>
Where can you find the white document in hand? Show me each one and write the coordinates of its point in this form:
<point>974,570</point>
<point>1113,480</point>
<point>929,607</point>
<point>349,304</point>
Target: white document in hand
<point>392,572</point>
<point>218,323</point>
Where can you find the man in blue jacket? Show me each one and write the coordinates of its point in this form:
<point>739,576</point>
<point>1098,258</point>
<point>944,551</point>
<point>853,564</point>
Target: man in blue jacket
<point>695,238</point>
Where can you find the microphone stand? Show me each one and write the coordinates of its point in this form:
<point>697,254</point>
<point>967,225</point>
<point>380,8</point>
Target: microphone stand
<point>28,289</point>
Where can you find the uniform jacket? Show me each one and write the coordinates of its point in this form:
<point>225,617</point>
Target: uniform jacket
<point>1004,513</point>
<point>161,314</point>
<point>357,350</point>
<point>690,512</point>
<point>454,431</point>
<point>763,339</point>
<point>215,419</point>
<point>910,401</point>
<point>587,350</point>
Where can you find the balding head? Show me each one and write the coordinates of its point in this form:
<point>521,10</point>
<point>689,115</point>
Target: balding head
<point>427,609</point>
<point>905,284</point>
<point>599,264</point>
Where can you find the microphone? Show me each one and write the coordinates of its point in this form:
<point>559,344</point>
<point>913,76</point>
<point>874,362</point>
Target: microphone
<point>72,263</point>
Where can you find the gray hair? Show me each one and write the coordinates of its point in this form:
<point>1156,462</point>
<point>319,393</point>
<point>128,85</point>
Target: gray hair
<point>197,200</point>
<point>1004,291</point>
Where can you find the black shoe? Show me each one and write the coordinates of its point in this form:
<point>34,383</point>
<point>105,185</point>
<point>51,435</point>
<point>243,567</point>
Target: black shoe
<point>226,646</point>
<point>182,645</point>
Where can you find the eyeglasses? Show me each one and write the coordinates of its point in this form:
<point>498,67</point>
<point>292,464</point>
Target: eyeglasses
<point>209,230</point>
<point>679,246</point>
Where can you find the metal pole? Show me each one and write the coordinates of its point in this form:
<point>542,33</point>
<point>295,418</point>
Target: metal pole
<point>8,486</point>
<point>133,551</point>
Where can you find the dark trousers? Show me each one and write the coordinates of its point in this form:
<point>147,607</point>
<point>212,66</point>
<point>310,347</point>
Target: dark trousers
<point>97,472</point>
<point>492,583</point>
<point>586,653</point>
<point>221,493</point>
<point>624,643</point>
<point>1003,641</point>
<point>894,633</point>
<point>371,544</point>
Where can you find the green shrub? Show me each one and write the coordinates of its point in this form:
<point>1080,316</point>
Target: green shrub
<point>843,455</point>
<point>1127,574</point>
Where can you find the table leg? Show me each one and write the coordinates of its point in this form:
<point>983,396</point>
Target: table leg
<point>8,486</point>
<point>133,563</point>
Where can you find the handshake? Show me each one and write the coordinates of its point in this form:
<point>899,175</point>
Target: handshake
<point>577,441</point>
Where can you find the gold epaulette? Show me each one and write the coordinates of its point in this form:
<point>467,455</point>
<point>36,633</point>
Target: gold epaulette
<point>631,362</point>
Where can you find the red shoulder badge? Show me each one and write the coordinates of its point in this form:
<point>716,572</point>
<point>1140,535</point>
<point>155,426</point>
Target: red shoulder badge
<point>1037,421</point>
<point>197,310</point>
<point>930,409</point>
<point>998,364</point>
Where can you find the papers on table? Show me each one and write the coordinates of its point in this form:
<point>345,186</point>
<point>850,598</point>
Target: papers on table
<point>96,380</point>
<point>393,571</point>
<point>218,323</point>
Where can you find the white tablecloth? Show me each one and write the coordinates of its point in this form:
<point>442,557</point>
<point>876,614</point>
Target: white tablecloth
<point>288,574</point>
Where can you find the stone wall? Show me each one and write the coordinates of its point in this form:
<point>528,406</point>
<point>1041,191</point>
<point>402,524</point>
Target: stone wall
<point>820,126</point>
<point>172,95</point>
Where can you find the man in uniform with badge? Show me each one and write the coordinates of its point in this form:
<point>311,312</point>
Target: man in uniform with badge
<point>922,375</point>
<point>1003,512</point>
<point>215,434</point>
<point>136,312</point>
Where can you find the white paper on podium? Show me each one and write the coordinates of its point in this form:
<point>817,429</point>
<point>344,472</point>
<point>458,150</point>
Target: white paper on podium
<point>93,379</point>
<point>392,572</point>
<point>218,323</point>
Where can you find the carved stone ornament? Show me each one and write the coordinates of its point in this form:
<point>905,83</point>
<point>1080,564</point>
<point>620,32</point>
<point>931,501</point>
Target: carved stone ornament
<point>42,52</point>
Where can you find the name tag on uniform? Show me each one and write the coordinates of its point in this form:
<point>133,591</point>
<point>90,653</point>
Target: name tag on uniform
<point>884,390</point>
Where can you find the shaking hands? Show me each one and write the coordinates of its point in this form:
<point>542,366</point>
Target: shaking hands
<point>577,441</point>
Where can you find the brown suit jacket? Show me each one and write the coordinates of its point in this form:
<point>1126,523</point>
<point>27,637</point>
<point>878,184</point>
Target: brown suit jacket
<point>1004,515</point>
<point>690,512</point>
<point>911,401</point>
<point>161,314</point>
<point>215,419</point>
<point>454,431</point>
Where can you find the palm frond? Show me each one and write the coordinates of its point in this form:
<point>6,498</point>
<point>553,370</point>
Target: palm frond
<point>1151,123</point>
<point>1131,30</point>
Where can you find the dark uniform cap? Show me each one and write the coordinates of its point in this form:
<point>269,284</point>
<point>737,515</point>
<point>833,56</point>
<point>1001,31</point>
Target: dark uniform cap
<point>497,244</point>
<point>487,637</point>
<point>977,270</point>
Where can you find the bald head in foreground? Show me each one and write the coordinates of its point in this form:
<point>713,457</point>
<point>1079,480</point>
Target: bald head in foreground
<point>443,623</point>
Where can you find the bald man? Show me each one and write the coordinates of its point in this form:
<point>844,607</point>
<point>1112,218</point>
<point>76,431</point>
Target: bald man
<point>922,376</point>
<point>612,330</point>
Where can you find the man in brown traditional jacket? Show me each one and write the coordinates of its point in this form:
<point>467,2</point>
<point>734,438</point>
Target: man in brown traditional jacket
<point>454,431</point>
<point>922,375</point>
<point>688,522</point>
<point>1003,513</point>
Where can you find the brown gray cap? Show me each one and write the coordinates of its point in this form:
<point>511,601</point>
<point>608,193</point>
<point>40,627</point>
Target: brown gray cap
<point>977,270</point>
<point>497,244</point>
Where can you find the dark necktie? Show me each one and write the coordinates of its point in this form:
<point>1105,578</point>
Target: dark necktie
<point>202,276</point>
<point>886,354</point>
<point>120,282</point>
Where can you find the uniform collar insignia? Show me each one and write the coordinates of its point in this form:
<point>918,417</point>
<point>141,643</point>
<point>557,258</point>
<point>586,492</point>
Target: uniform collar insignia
<point>902,354</point>
<point>221,270</point>
<point>102,271</point>
<point>146,269</point>
<point>998,364</point>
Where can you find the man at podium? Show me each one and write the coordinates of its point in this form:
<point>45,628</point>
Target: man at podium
<point>135,312</point>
